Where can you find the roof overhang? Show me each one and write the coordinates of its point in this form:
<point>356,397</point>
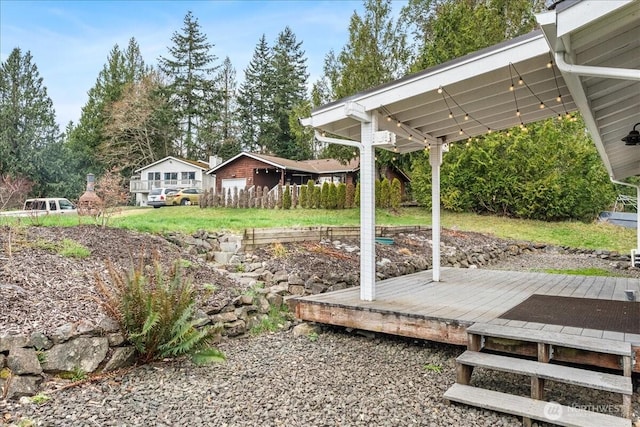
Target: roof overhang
<point>590,33</point>
<point>597,46</point>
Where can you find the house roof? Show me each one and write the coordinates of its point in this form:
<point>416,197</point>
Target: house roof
<point>197,163</point>
<point>311,166</point>
<point>579,38</point>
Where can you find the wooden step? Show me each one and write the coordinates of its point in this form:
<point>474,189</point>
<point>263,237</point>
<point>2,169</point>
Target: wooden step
<point>565,374</point>
<point>530,408</point>
<point>579,342</point>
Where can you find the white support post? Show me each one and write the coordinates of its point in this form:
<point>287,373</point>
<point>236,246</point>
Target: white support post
<point>367,212</point>
<point>435,159</point>
<point>637,216</point>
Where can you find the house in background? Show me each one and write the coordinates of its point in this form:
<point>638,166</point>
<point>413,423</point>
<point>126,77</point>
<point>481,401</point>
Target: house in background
<point>250,169</point>
<point>171,172</point>
<point>247,170</point>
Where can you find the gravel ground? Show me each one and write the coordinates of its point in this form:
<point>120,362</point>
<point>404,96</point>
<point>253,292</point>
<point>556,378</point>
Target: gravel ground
<point>338,379</point>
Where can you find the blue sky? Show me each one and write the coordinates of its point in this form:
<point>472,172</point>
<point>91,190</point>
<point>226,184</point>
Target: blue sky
<point>70,40</point>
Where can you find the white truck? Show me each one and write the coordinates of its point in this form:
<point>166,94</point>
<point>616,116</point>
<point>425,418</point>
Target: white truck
<point>45,206</point>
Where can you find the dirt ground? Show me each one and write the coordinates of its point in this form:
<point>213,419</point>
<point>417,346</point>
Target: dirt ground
<point>42,289</point>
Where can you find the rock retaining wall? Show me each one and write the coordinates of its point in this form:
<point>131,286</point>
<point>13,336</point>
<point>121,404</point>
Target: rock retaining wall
<point>81,348</point>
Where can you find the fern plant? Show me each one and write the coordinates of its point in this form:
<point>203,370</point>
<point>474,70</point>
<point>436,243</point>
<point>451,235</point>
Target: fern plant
<point>156,312</point>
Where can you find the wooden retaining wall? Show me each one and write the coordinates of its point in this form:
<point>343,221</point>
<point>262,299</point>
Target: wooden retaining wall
<point>256,237</point>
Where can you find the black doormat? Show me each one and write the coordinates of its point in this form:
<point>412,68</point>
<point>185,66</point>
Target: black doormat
<point>607,315</point>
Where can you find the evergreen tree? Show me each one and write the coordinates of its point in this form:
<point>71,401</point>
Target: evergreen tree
<point>27,120</point>
<point>376,53</point>
<point>448,29</point>
<point>121,69</point>
<point>290,87</point>
<point>226,142</point>
<point>191,87</point>
<point>255,101</point>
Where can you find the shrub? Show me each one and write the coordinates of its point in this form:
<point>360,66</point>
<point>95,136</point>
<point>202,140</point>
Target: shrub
<point>332,201</point>
<point>383,198</point>
<point>395,197</point>
<point>155,310</point>
<point>356,198</point>
<point>341,196</point>
<point>286,198</point>
<point>311,186</point>
<point>316,197</point>
<point>324,196</point>
<point>303,197</point>
<point>349,199</point>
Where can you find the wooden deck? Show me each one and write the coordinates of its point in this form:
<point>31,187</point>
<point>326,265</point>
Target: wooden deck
<point>415,306</point>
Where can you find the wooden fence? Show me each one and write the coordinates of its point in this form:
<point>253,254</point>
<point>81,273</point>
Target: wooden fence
<point>256,237</point>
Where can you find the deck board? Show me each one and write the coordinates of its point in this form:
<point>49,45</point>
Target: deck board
<point>461,298</point>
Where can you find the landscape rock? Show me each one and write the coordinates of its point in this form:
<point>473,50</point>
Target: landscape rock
<point>40,341</point>
<point>81,353</point>
<point>24,361</point>
<point>7,342</point>
<point>121,358</point>
<point>23,385</point>
<point>305,329</point>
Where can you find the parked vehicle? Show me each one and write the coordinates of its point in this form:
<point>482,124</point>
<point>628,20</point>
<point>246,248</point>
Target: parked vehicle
<point>45,206</point>
<point>158,196</point>
<point>187,196</point>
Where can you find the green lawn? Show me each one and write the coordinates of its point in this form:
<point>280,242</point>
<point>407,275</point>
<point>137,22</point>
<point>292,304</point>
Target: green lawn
<point>187,219</point>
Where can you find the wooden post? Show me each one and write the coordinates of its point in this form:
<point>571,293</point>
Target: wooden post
<point>474,342</point>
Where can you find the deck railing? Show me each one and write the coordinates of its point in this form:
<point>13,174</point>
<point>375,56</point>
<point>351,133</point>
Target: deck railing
<point>144,186</point>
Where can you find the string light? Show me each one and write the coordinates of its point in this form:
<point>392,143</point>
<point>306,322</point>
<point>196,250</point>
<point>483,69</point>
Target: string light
<point>520,81</point>
<point>398,124</point>
<point>410,137</point>
<point>450,115</point>
<point>549,64</point>
<point>518,113</point>
<point>541,105</point>
<point>461,132</point>
<point>512,88</point>
<point>440,89</point>
<point>559,98</point>
<point>466,117</point>
<point>388,118</point>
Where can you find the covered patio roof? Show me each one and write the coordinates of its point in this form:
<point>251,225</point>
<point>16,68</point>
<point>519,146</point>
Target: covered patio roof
<point>585,57</point>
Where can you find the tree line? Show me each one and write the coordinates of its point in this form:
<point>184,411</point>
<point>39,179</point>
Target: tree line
<point>191,104</point>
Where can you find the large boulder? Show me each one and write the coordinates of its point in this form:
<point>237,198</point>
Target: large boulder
<point>81,353</point>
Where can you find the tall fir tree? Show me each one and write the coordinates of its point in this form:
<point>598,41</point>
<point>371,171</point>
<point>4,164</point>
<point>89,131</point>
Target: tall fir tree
<point>290,89</point>
<point>222,127</point>
<point>27,120</point>
<point>256,100</point>
<point>376,53</point>
<point>86,138</point>
<point>190,69</point>
<point>447,29</point>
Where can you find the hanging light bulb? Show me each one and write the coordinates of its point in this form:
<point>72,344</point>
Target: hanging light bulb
<point>466,116</point>
<point>559,98</point>
<point>511,88</point>
<point>520,81</point>
<point>440,90</point>
<point>461,132</point>
<point>567,116</point>
<point>549,64</point>
<point>450,115</point>
<point>508,133</point>
<point>393,158</point>
<point>398,124</point>
<point>410,137</point>
<point>559,116</point>
<point>425,141</point>
<point>388,118</point>
<point>541,105</point>
<point>518,113</point>
<point>489,130</point>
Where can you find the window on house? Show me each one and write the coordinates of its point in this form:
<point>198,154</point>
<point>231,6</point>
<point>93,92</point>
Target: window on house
<point>154,180</point>
<point>171,178</point>
<point>188,178</point>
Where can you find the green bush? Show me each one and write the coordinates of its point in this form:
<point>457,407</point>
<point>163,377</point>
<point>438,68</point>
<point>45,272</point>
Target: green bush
<point>303,197</point>
<point>324,196</point>
<point>356,198</point>
<point>155,310</point>
<point>395,197</point>
<point>341,196</point>
<point>332,201</point>
<point>550,171</point>
<point>286,198</point>
<point>383,198</point>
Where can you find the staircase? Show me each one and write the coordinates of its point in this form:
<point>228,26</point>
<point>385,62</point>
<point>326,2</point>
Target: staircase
<point>535,407</point>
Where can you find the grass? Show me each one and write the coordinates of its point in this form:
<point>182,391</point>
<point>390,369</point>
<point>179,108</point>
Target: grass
<point>274,321</point>
<point>188,219</point>
<point>589,271</point>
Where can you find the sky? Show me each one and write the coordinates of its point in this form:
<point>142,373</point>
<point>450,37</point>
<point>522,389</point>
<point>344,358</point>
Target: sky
<point>70,40</point>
